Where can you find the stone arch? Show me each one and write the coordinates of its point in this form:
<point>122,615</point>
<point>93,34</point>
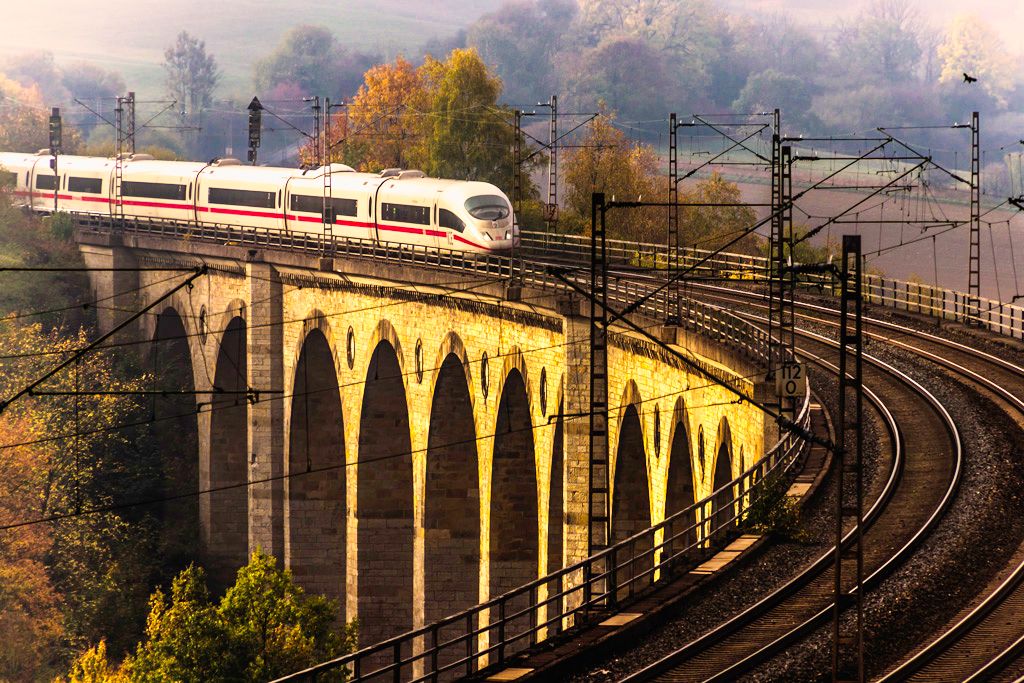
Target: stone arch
<point>176,434</point>
<point>315,526</point>
<point>514,507</point>
<point>630,397</point>
<point>514,361</point>
<point>225,511</point>
<point>234,309</point>
<point>451,517</point>
<point>386,332</point>
<point>679,492</point>
<point>384,506</point>
<point>317,321</point>
<point>452,345</point>
<point>556,501</point>
<point>722,508</point>
<point>631,506</point>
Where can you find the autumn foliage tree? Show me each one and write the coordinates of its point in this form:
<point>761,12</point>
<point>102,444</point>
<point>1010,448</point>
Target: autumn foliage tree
<point>605,160</point>
<point>23,119</point>
<point>442,118</point>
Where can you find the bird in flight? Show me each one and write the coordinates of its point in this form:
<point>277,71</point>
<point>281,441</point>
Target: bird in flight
<point>969,79</point>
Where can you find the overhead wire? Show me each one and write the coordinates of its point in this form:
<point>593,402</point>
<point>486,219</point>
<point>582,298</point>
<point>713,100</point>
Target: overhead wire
<point>155,500</point>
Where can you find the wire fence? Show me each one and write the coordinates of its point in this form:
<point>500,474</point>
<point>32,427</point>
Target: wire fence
<point>1000,317</point>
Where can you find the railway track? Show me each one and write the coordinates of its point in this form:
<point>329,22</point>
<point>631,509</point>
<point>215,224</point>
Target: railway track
<point>987,637</point>
<point>924,485</point>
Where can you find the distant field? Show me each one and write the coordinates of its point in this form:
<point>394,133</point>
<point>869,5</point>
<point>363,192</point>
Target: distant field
<point>130,35</point>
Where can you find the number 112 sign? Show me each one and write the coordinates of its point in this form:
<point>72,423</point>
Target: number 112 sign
<point>791,380</point>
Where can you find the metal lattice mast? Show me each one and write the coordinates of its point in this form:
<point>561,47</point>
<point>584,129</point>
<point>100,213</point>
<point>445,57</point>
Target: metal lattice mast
<point>116,203</point>
<point>974,260</point>
<point>672,241</point>
<point>787,275</point>
<point>551,213</point>
<point>848,562</point>
<point>317,156</point>
<point>517,161</point>
<point>598,494</point>
<point>328,203</point>
<point>776,257</point>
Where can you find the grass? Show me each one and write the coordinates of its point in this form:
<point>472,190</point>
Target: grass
<point>129,36</point>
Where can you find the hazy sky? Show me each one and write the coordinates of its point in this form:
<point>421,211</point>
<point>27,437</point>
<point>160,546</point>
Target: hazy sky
<point>1005,16</point>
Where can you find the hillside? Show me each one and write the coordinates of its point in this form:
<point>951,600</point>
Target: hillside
<point>130,35</point>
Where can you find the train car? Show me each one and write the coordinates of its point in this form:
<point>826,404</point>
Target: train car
<point>351,206</point>
<point>84,184</point>
<point>34,181</point>
<point>251,196</point>
<point>393,206</point>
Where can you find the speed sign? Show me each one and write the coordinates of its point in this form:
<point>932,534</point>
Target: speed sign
<point>791,380</point>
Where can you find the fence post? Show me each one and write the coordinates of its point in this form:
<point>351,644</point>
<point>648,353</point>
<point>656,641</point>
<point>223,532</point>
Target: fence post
<point>501,631</point>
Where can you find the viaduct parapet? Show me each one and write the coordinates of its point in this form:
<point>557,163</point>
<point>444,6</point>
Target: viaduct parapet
<point>408,441</point>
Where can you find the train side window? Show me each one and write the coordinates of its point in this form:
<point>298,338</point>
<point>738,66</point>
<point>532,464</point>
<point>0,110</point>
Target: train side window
<point>405,213</point>
<point>450,220</point>
<point>278,205</point>
<point>189,191</point>
<point>232,197</point>
<point>85,185</point>
<point>136,188</point>
<point>313,204</point>
<point>46,182</point>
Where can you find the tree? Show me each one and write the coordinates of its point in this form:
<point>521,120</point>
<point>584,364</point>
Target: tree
<point>37,69</point>
<point>971,46</point>
<point>711,227</point>
<point>769,89</point>
<point>466,135</point>
<point>264,627</point>
<point>688,32</point>
<point>626,73</point>
<point>191,73</point>
<point>23,120</point>
<point>30,616</point>
<point>87,81</point>
<point>518,41</point>
<point>606,161</point>
<point>383,120</point>
<point>882,44</point>
<point>442,118</point>
<point>309,58</point>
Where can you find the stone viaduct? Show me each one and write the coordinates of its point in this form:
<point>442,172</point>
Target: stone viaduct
<point>407,449</point>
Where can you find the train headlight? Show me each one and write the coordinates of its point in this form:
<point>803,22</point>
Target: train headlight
<point>508,234</point>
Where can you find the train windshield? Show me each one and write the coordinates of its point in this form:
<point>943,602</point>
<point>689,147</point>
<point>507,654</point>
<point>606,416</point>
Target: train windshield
<point>488,207</point>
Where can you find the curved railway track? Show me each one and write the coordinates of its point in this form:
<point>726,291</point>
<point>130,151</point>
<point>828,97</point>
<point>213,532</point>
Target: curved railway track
<point>925,483</point>
<point>987,637</point>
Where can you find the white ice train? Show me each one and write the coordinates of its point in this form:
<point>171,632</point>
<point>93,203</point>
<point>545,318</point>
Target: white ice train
<point>392,206</point>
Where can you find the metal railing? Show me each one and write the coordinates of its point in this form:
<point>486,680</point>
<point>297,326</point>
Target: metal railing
<point>1003,318</point>
<point>490,633</point>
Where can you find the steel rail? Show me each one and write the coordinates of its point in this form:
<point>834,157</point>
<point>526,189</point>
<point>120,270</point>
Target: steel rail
<point>1012,586</point>
<point>690,650</point>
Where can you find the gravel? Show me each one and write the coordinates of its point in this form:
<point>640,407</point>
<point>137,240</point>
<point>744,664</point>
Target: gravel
<point>971,545</point>
<point>749,582</point>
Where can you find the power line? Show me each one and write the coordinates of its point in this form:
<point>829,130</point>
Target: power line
<point>113,507</point>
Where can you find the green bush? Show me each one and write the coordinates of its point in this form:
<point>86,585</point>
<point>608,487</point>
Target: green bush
<point>773,511</point>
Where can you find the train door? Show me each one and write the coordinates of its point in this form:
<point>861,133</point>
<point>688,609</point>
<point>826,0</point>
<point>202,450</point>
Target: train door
<point>286,203</point>
<point>443,239</point>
